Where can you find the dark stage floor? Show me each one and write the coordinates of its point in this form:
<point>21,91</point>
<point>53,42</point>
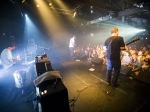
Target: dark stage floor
<point>87,90</point>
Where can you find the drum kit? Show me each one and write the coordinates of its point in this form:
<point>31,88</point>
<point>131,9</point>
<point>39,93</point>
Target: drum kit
<point>24,76</point>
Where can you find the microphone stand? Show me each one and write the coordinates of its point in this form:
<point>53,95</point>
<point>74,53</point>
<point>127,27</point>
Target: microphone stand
<point>44,48</point>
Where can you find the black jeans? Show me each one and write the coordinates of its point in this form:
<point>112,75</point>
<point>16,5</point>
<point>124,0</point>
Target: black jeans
<point>116,65</point>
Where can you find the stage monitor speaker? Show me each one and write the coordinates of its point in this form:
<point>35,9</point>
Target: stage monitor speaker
<point>42,67</point>
<point>54,96</point>
<point>144,75</point>
<point>97,61</point>
<point>125,70</point>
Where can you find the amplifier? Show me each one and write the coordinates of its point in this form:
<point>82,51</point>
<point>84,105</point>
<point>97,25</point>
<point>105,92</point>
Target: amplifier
<point>125,70</point>
<point>42,67</point>
<point>97,61</point>
<point>54,96</point>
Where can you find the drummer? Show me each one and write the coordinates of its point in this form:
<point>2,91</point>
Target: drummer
<point>7,60</point>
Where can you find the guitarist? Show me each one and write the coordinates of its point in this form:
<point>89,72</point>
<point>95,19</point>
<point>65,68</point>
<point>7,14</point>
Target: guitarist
<point>72,45</point>
<point>6,57</point>
<point>113,45</point>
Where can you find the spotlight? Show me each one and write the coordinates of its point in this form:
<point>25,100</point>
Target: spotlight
<point>141,5</point>
<point>50,4</point>
<point>23,1</point>
<point>141,30</point>
<point>92,34</point>
<point>92,11</point>
<point>100,19</point>
<point>74,14</point>
<point>37,5</point>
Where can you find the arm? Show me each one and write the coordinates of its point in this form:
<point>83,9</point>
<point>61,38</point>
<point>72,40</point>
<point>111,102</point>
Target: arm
<point>123,46</point>
<point>73,43</point>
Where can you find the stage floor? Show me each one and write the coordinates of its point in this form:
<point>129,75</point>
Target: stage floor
<point>87,90</point>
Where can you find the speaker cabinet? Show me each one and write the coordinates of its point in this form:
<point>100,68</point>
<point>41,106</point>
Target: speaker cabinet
<point>125,70</point>
<point>42,67</point>
<point>144,75</point>
<point>54,96</point>
<point>97,61</point>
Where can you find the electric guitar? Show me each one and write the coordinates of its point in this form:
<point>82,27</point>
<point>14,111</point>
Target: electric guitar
<point>19,59</point>
<point>134,40</point>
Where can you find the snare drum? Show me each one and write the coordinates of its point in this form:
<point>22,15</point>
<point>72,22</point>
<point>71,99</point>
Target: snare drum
<point>22,78</point>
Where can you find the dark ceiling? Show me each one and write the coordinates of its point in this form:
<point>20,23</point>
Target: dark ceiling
<point>87,10</point>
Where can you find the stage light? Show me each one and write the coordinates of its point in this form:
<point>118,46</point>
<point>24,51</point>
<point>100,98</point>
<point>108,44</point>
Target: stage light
<point>50,4</point>
<point>23,1</point>
<point>92,11</point>
<point>74,14</point>
<point>92,34</point>
<point>140,30</point>
<point>37,5</point>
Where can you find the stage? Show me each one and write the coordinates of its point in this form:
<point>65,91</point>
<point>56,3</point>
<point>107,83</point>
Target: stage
<point>86,85</point>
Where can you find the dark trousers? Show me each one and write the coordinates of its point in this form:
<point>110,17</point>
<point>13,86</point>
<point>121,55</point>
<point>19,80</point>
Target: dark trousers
<point>116,65</point>
<point>71,52</point>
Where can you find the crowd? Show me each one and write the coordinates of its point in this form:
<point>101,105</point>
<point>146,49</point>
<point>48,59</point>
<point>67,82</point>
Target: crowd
<point>134,56</point>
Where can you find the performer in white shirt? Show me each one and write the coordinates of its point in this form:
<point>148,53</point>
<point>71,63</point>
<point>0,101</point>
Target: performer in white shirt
<point>7,60</point>
<point>72,45</point>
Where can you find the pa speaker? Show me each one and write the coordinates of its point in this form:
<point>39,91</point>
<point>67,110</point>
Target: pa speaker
<point>144,75</point>
<point>54,96</point>
<point>97,61</point>
<point>125,70</point>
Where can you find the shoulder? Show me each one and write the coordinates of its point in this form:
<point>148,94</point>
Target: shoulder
<point>108,38</point>
<point>72,39</point>
<point>5,50</point>
<point>120,37</point>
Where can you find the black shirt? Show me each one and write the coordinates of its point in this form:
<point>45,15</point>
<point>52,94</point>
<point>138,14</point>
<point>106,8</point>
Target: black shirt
<point>113,50</point>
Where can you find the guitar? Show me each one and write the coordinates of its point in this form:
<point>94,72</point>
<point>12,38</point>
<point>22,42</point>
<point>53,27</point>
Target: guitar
<point>134,40</point>
<point>19,59</point>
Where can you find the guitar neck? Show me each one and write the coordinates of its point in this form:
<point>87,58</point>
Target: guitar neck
<point>135,40</point>
<point>129,43</point>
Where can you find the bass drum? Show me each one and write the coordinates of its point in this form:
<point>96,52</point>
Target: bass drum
<point>22,77</point>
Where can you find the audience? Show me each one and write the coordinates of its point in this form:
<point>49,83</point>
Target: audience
<point>133,57</point>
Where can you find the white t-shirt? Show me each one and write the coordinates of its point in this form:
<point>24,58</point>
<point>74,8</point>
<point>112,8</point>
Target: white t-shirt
<point>72,41</point>
<point>6,58</point>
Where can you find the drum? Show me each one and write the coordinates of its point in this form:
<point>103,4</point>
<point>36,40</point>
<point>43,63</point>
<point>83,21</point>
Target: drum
<point>22,77</point>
